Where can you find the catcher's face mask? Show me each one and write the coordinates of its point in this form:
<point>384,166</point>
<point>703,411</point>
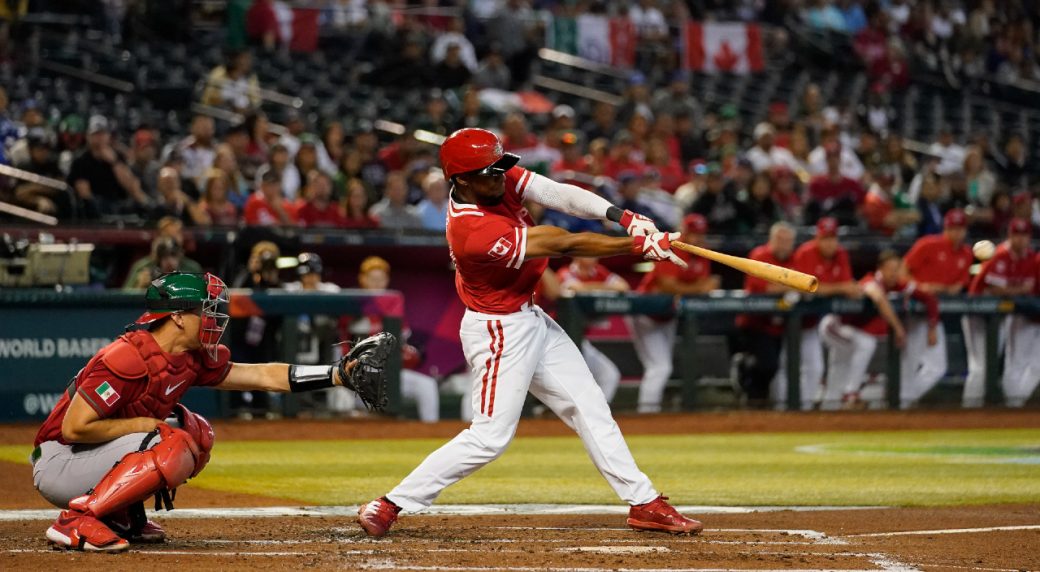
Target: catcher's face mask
<point>214,319</point>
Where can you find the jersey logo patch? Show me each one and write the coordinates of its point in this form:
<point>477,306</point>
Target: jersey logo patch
<point>500,249</point>
<point>107,393</point>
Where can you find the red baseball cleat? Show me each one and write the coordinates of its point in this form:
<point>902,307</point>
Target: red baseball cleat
<point>378,516</point>
<point>76,531</point>
<point>148,533</point>
<point>661,516</point>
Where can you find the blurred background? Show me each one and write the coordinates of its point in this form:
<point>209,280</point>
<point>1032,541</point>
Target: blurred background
<point>291,148</point>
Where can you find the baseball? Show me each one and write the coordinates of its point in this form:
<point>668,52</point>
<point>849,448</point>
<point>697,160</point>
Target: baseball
<point>983,249</point>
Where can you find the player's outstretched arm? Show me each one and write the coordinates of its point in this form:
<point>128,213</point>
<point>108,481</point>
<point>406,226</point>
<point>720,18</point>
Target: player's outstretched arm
<point>877,295</point>
<point>550,241</point>
<point>276,377</point>
<point>578,202</point>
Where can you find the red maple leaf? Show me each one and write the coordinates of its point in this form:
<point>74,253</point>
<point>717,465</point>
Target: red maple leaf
<point>725,58</point>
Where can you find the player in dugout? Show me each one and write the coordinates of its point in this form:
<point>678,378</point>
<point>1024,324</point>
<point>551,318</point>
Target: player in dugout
<point>511,345</point>
<point>120,435</point>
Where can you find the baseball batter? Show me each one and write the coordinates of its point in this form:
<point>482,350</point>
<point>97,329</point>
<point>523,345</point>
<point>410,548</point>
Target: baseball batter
<point>824,258</point>
<point>939,264</point>
<point>852,340</point>
<point>1011,272</point>
<point>654,336</point>
<point>108,445</point>
<point>586,275</point>
<point>511,345</point>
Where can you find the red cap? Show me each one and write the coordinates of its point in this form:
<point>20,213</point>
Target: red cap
<point>695,223</point>
<point>143,137</point>
<point>827,226</point>
<point>955,217</point>
<point>474,149</point>
<point>1019,226</point>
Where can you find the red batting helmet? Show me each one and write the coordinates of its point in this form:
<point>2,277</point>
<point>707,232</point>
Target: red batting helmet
<point>474,150</point>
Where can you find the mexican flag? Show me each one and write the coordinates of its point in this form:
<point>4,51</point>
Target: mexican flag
<point>610,41</point>
<point>107,393</point>
<point>723,47</point>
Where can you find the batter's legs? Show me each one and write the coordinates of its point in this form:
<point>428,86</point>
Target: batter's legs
<point>606,374</point>
<point>654,342</point>
<point>564,384</point>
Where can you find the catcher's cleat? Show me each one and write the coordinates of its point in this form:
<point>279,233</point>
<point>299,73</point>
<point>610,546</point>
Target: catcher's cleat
<point>658,515</point>
<point>148,532</point>
<point>74,530</point>
<point>378,516</point>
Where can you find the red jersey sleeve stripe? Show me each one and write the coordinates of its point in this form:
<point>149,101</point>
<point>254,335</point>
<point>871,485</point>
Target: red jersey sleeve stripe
<point>92,403</point>
<point>516,249</point>
<point>524,181</point>
<point>521,249</point>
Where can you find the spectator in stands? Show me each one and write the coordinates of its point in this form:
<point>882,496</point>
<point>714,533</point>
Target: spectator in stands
<point>256,151</point>
<point>167,256</point>
<point>316,208</point>
<point>197,150</point>
<point>173,201</point>
<point>143,160</point>
<point>982,183</point>
<point>317,334</point>
<point>676,98</point>
<point>588,275</point>
<point>787,195</point>
<point>267,206</point>
<point>761,336</point>
<point>630,190</point>
<point>758,204</point>
<point>238,186</point>
<point>830,141</point>
<point>407,70</point>
<point>852,340</point>
<point>255,339</point>
<point>170,227</point>
<point>215,203</point>
<point>765,155</point>
<point>493,72</point>
<point>355,205</point>
<point>334,141</point>
<point>660,161</point>
<point>833,193</point>
<point>572,160</point>
<point>691,144</point>
<point>454,36</point>
<point>438,118</point>
<point>296,137</point>
<point>1012,166</point>
<point>71,130</point>
<point>719,203</point>
<point>951,154</point>
<point>623,156</point>
<point>41,161</point>
<point>929,206</point>
<point>102,181</point>
<point>603,123</point>
<point>654,337</point>
<point>280,165</point>
<point>824,258</point>
<point>393,211</point>
<point>885,209</point>
<point>233,85</point>
<point>433,209</point>
<point>262,24</point>
<point>306,161</point>
<point>691,190</point>
<point>823,15</point>
<point>896,159</point>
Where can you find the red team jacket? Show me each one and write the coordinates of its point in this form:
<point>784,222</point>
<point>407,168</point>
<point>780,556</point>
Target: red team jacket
<point>934,260</point>
<point>772,325</point>
<point>134,377</point>
<point>833,271</point>
<point>488,244</point>
<point>1005,269</point>
<point>876,325</point>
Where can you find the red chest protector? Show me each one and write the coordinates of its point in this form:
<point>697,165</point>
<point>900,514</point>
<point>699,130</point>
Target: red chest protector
<point>136,358</point>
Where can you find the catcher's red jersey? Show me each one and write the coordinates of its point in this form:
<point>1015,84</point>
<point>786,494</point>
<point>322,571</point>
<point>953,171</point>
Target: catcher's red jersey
<point>488,245</point>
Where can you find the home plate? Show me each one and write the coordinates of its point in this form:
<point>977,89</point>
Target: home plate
<point>617,549</point>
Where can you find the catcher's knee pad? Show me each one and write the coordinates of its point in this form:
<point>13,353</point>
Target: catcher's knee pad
<point>141,474</point>
<point>200,431</point>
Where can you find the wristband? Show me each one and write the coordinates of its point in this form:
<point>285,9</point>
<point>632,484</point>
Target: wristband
<point>310,377</point>
<point>614,214</point>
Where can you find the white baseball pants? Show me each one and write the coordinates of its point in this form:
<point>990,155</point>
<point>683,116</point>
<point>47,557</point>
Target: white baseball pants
<point>508,356</point>
<point>606,374</point>
<point>811,372</point>
<point>849,350</point>
<point>975,344</point>
<point>922,365</point>
<point>654,342</point>
<point>422,389</point>
<point>1021,364</point>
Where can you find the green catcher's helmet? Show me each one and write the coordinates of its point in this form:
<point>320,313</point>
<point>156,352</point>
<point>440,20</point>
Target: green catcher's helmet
<point>183,292</point>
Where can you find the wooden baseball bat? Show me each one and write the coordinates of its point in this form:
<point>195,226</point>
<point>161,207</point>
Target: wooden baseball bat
<point>764,270</point>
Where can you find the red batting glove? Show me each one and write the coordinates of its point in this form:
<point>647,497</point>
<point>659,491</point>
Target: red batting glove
<point>658,246</point>
<point>637,225</point>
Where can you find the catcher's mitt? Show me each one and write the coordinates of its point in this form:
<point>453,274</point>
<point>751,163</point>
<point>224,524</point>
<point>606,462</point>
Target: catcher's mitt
<point>368,378</point>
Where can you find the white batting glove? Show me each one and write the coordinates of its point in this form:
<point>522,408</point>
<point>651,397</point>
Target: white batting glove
<point>658,246</point>
<point>637,225</point>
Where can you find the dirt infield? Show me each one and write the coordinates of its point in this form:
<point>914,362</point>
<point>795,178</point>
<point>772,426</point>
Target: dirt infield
<point>986,538</point>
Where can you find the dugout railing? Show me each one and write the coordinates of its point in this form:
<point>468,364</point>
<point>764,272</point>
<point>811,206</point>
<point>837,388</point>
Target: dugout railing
<point>575,312</point>
<point>47,336</point>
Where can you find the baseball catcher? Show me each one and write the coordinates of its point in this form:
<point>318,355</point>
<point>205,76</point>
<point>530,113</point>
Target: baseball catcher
<point>119,435</point>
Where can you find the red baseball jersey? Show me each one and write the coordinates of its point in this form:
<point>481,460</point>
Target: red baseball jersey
<point>934,260</point>
<point>1004,270</point>
<point>488,245</point>
<point>699,268</point>
<point>571,274</point>
<point>116,383</point>
<point>876,325</point>
<point>835,270</point>
<point>772,325</point>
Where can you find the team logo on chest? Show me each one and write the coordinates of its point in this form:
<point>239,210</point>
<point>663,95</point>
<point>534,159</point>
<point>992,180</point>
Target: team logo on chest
<point>501,248</point>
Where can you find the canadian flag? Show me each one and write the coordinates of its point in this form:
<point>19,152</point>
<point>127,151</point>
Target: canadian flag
<point>610,41</point>
<point>723,47</point>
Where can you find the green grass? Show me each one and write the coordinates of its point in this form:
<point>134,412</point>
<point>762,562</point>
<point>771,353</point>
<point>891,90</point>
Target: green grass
<point>887,468</point>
